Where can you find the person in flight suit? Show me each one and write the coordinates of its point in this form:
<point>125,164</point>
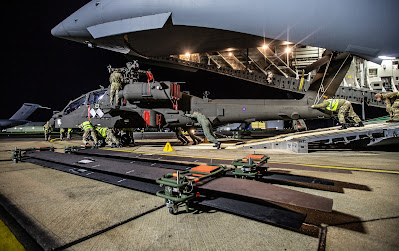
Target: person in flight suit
<point>116,79</point>
<point>206,126</point>
<point>392,104</point>
<point>344,109</point>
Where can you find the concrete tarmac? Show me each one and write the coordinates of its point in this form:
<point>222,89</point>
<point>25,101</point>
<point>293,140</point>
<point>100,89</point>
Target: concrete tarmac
<point>75,213</point>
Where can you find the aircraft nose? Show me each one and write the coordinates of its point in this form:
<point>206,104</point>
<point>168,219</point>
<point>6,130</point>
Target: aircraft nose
<point>59,31</point>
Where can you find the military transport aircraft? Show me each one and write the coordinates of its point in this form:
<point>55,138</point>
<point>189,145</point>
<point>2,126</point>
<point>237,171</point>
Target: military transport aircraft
<point>148,29</point>
<point>152,28</point>
<point>20,117</point>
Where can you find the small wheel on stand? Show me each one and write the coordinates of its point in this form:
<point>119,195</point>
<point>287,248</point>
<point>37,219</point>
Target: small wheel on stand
<point>172,210</point>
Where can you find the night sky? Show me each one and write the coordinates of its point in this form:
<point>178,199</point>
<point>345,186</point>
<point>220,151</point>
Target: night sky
<point>39,68</point>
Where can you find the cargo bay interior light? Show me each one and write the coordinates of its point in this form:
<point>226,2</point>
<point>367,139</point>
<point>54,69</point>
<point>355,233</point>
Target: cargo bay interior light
<point>386,57</point>
<point>187,54</point>
<point>288,50</point>
<point>264,46</point>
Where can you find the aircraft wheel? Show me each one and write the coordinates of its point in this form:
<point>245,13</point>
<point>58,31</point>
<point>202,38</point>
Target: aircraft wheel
<point>125,139</point>
<point>172,210</point>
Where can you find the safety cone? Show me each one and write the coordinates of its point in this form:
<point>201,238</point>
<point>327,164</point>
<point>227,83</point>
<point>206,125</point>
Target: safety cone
<point>206,140</point>
<point>168,148</point>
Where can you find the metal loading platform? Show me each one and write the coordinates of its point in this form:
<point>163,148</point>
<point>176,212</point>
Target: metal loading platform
<point>210,186</point>
<point>372,134</point>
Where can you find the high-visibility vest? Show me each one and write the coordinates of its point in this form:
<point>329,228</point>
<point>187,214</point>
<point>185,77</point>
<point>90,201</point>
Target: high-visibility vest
<point>86,125</point>
<point>69,129</point>
<point>333,104</point>
<point>102,131</point>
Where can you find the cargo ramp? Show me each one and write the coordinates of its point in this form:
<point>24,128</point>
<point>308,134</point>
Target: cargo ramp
<point>373,133</point>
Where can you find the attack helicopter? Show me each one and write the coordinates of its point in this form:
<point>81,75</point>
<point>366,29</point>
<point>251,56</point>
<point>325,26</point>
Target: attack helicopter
<point>161,104</point>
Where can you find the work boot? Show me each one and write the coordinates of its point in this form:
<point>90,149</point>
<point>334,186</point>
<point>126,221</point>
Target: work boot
<point>344,126</point>
<point>360,124</point>
<point>217,145</point>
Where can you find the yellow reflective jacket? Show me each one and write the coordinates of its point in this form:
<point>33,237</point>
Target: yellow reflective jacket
<point>102,131</point>
<point>86,125</point>
<point>333,104</point>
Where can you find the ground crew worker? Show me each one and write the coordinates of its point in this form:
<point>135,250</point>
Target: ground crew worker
<point>69,133</point>
<point>344,109</point>
<point>88,129</point>
<point>392,104</point>
<point>62,134</point>
<point>116,80</point>
<point>196,140</point>
<point>299,125</point>
<point>129,132</point>
<point>47,131</point>
<point>180,136</point>
<point>109,136</point>
<point>206,126</point>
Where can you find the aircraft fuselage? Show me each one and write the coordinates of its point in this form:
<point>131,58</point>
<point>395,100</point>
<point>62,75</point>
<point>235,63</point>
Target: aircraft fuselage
<point>157,105</point>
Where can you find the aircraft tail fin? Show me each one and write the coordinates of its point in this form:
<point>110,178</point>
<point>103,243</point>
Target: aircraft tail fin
<point>25,111</point>
<point>329,77</point>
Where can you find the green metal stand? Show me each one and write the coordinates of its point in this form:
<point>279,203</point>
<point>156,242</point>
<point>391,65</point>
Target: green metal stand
<point>179,187</point>
<point>250,167</point>
<point>17,153</point>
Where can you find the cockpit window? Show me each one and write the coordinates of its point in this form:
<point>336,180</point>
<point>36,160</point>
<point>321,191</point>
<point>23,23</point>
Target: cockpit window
<point>75,105</point>
<point>96,96</point>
